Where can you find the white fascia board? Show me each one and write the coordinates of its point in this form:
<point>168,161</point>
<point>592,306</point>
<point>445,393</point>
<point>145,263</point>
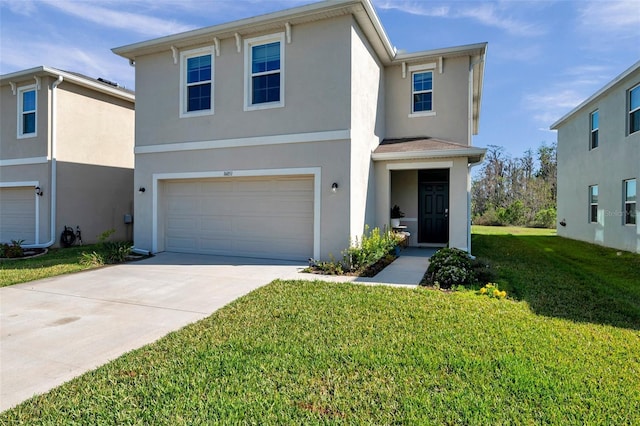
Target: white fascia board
<point>85,82</point>
<point>284,16</point>
<point>467,49</point>
<point>333,135</point>
<point>591,98</point>
<point>442,153</point>
<point>291,14</point>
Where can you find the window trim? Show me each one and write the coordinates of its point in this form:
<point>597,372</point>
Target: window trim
<point>413,69</point>
<point>248,74</point>
<point>625,202</point>
<point>20,112</point>
<point>631,111</point>
<point>184,56</point>
<point>592,204</point>
<point>594,131</point>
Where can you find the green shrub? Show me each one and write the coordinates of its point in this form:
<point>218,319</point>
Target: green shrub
<point>117,251</point>
<point>449,267</point>
<point>91,259</point>
<point>373,246</point>
<point>545,218</point>
<point>108,251</point>
<point>12,250</point>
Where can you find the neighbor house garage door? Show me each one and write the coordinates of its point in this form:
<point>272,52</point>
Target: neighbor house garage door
<point>17,214</point>
<point>254,217</point>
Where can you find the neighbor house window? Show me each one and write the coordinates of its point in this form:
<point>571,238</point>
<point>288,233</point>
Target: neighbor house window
<point>634,109</point>
<point>197,82</point>
<point>27,103</point>
<point>264,68</point>
<point>630,202</point>
<point>594,129</point>
<point>593,203</point>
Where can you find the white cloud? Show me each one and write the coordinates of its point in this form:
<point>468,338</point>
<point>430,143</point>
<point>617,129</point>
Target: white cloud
<point>20,7</point>
<point>88,61</point>
<point>491,14</point>
<point>616,16</point>
<point>135,22</point>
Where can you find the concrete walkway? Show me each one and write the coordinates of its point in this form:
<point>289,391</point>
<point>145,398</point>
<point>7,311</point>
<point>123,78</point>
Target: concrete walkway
<point>55,329</point>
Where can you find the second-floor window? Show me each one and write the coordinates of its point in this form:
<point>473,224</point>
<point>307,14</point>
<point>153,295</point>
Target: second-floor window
<point>593,203</point>
<point>634,109</point>
<point>264,67</point>
<point>630,202</point>
<point>27,111</point>
<point>594,129</point>
<point>197,82</point>
<point>422,91</point>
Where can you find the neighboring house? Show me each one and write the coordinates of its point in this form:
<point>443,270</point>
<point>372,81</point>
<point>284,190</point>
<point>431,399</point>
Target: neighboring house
<point>283,135</point>
<point>599,166</point>
<point>66,156</point>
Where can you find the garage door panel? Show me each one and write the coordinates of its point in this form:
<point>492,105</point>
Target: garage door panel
<point>258,217</point>
<point>17,214</point>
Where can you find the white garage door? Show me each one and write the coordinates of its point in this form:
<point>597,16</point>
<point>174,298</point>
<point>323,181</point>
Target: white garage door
<point>252,217</point>
<point>17,214</point>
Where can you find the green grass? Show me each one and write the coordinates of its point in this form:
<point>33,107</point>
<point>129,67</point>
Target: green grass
<point>565,278</point>
<point>564,349</point>
<point>510,230</point>
<point>55,262</point>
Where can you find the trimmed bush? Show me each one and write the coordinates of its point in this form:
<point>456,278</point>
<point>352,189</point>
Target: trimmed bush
<point>449,267</point>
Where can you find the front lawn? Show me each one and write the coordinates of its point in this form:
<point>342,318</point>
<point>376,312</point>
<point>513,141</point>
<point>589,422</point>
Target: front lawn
<point>297,352</point>
<point>55,262</point>
<point>564,278</point>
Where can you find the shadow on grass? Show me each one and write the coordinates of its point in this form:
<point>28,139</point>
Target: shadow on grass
<point>564,278</point>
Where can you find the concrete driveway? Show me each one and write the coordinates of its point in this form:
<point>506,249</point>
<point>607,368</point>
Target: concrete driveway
<point>55,329</point>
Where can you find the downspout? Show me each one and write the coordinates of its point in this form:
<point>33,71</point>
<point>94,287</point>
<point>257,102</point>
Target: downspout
<point>54,186</point>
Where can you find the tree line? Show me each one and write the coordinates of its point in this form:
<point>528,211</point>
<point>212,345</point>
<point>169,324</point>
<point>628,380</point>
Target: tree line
<point>518,191</point>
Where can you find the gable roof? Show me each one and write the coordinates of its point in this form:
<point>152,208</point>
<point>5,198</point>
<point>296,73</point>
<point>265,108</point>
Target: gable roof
<point>633,68</point>
<point>425,147</point>
<point>99,85</point>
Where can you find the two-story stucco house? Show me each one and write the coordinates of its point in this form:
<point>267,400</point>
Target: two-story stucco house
<point>599,165</point>
<point>283,135</point>
<point>66,156</point>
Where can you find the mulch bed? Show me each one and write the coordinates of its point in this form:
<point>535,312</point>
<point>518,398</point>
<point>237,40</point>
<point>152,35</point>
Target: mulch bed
<point>28,254</point>
<point>370,271</point>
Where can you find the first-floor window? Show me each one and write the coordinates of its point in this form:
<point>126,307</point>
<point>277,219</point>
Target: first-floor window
<point>634,109</point>
<point>27,111</point>
<point>593,203</point>
<point>630,202</point>
<point>422,91</point>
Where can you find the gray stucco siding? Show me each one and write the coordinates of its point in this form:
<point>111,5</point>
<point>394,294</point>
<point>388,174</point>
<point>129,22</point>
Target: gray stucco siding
<point>316,90</point>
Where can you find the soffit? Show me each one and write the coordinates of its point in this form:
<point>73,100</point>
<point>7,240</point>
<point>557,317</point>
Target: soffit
<point>361,9</point>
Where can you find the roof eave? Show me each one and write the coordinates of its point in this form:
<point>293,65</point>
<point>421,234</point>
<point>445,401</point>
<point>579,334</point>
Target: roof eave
<point>427,154</point>
<point>362,9</point>
<point>463,50</point>
<point>88,83</point>
<point>596,95</point>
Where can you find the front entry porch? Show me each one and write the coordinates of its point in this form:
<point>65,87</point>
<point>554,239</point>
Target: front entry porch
<point>430,181</point>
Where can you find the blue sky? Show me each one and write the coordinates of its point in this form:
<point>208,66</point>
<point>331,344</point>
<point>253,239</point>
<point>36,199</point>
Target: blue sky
<point>544,57</point>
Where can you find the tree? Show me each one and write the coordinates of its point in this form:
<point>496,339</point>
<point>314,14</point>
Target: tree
<point>516,191</point>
